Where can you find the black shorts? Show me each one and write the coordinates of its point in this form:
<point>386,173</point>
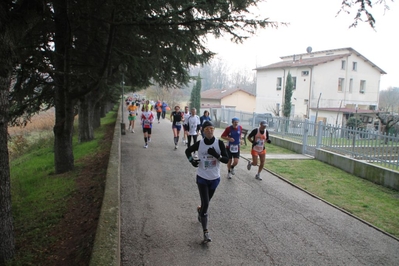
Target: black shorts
<point>148,130</point>
<point>233,155</point>
<point>185,127</point>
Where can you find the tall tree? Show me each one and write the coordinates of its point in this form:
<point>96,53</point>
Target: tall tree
<point>195,100</point>
<point>17,19</point>
<point>289,85</point>
<point>389,100</point>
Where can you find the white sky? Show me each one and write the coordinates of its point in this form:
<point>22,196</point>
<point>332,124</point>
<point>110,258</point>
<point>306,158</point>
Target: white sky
<point>314,23</point>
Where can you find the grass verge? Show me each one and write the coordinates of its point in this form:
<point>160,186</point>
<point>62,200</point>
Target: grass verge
<point>373,203</point>
<point>42,202</point>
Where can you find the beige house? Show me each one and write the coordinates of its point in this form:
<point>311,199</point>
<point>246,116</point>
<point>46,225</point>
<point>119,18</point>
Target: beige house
<point>329,86</point>
<point>237,99</point>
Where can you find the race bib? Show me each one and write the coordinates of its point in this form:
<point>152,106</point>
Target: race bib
<point>178,123</point>
<point>147,122</point>
<point>259,146</point>
<point>209,162</point>
<point>234,148</point>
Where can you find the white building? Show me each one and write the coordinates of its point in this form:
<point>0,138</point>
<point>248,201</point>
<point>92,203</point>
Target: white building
<point>329,86</point>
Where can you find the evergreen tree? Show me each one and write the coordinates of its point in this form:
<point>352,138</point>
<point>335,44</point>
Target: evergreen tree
<point>196,94</point>
<point>287,97</point>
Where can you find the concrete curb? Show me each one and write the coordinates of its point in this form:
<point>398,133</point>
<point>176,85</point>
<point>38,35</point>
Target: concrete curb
<point>106,249</point>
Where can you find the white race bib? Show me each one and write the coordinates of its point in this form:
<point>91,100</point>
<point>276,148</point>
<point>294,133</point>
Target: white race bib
<point>233,148</point>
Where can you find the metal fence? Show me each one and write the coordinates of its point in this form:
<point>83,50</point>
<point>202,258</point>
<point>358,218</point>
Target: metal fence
<point>368,145</point>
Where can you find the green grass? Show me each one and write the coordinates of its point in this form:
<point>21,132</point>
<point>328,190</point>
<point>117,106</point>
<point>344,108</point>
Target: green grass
<point>39,196</point>
<point>373,203</point>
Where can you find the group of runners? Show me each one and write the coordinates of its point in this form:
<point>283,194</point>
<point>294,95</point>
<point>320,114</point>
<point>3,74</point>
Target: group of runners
<point>147,117</point>
<point>205,154</point>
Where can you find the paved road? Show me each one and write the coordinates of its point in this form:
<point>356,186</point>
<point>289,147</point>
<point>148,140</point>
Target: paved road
<point>251,222</point>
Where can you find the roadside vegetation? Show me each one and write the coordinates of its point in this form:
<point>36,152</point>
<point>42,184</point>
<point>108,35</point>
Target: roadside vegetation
<point>55,216</point>
<point>370,202</point>
<point>50,209</point>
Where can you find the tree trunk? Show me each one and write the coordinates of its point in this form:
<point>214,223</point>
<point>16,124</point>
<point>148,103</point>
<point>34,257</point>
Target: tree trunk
<point>97,115</point>
<point>86,132</point>
<point>64,106</point>
<point>7,244</point>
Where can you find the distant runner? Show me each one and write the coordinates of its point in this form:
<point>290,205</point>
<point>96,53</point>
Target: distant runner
<point>258,137</point>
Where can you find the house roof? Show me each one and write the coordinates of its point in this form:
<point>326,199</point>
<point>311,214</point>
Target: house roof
<point>220,94</point>
<point>317,60</point>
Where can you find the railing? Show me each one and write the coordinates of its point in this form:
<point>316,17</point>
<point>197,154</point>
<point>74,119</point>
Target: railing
<point>367,145</point>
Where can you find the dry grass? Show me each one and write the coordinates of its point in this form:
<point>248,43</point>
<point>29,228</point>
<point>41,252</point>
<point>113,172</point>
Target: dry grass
<point>38,129</point>
<point>43,121</point>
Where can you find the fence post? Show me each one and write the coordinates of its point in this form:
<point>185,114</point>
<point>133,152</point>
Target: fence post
<point>305,136</point>
<point>320,134</point>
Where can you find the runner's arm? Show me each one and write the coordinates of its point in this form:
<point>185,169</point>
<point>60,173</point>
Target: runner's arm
<point>192,149</point>
<point>223,152</point>
<point>252,135</point>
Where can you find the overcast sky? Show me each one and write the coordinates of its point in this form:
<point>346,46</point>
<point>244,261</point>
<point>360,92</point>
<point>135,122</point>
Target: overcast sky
<point>314,23</point>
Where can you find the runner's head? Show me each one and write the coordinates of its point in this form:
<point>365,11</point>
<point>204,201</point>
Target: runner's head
<point>235,121</point>
<point>263,124</point>
<point>208,129</point>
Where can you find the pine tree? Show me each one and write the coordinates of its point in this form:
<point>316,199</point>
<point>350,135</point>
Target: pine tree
<point>195,99</point>
<point>287,97</point>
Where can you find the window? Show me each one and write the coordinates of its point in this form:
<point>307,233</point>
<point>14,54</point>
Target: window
<point>350,85</point>
<point>362,86</point>
<point>279,82</point>
<point>277,108</point>
<point>343,64</point>
<point>340,84</point>
<point>293,83</point>
<point>354,66</point>
<point>305,73</point>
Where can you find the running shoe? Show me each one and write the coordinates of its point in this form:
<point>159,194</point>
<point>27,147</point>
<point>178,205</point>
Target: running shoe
<point>249,165</point>
<point>198,210</point>
<point>229,175</point>
<point>257,176</point>
<point>206,237</point>
<point>146,146</point>
<point>232,171</point>
<point>176,147</point>
<point>132,130</point>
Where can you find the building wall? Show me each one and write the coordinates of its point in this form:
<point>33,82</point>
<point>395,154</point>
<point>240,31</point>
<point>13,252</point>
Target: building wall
<point>241,100</point>
<point>321,79</point>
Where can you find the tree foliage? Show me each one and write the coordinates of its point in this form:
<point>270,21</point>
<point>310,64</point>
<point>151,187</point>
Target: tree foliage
<point>389,100</point>
<point>195,100</point>
<point>287,96</point>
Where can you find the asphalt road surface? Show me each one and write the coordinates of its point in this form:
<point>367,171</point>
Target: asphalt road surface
<point>251,222</point>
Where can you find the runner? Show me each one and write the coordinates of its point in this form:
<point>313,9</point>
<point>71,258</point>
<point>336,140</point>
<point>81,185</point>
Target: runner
<point>193,125</point>
<point>211,152</point>
<point>204,118</point>
<point>185,126</point>
<point>176,117</point>
<point>164,105</point>
<point>233,136</point>
<point>132,109</point>
<point>158,108</point>
<point>146,120</point>
<point>258,137</point>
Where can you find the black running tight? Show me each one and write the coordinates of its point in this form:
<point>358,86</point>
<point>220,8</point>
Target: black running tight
<point>206,194</point>
<point>189,139</point>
